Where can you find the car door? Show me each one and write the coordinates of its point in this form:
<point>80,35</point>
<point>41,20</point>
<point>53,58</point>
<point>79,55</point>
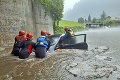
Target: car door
<point>76,42</point>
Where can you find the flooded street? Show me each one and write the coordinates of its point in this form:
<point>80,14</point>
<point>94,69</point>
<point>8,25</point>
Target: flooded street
<point>106,37</point>
<point>59,65</point>
<point>50,68</point>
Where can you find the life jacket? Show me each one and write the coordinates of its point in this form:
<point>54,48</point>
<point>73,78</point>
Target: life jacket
<point>41,41</point>
<point>19,40</point>
<point>28,44</point>
<point>71,33</point>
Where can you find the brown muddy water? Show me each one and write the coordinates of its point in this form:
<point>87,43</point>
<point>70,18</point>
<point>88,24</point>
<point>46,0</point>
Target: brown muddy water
<point>53,67</point>
<point>50,68</point>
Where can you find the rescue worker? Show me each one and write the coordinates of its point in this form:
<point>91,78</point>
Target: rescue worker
<point>68,33</point>
<point>42,45</point>
<point>68,38</point>
<point>18,40</point>
<point>27,46</point>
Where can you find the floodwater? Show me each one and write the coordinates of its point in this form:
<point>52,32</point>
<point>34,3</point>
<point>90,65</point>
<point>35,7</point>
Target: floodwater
<point>53,66</point>
<point>105,37</point>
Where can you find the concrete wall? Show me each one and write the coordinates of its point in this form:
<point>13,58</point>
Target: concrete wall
<point>25,15</point>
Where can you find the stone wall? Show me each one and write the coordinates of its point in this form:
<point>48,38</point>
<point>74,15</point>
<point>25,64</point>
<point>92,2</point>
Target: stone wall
<point>25,15</point>
<point>40,21</point>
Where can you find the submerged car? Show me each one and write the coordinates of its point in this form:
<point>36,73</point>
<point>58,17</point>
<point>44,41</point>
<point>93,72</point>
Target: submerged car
<point>76,42</point>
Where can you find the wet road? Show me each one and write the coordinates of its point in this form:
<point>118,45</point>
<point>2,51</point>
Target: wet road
<point>53,66</point>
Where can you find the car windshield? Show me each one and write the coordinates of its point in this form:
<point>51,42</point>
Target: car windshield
<point>54,38</point>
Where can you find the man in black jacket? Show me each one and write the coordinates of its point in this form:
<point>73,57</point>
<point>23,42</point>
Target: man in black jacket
<point>27,46</point>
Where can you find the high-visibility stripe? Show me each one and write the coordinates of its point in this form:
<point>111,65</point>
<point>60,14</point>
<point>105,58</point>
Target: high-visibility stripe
<point>41,43</point>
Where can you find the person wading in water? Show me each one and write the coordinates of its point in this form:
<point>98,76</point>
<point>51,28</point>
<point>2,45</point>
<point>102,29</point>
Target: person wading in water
<point>42,45</point>
<point>18,40</point>
<point>27,46</point>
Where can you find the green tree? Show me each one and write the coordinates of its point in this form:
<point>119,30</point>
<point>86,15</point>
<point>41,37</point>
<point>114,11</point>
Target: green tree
<point>85,21</point>
<point>53,8</point>
<point>81,20</point>
<point>94,20</point>
<point>89,18</point>
<point>109,22</point>
<point>103,16</point>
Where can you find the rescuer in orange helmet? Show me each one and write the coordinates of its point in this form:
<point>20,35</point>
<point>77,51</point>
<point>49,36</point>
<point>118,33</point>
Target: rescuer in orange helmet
<point>27,46</point>
<point>42,45</point>
<point>18,40</point>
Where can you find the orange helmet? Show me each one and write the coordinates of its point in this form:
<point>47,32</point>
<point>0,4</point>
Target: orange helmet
<point>66,28</point>
<point>29,35</point>
<point>21,32</point>
<point>43,32</point>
